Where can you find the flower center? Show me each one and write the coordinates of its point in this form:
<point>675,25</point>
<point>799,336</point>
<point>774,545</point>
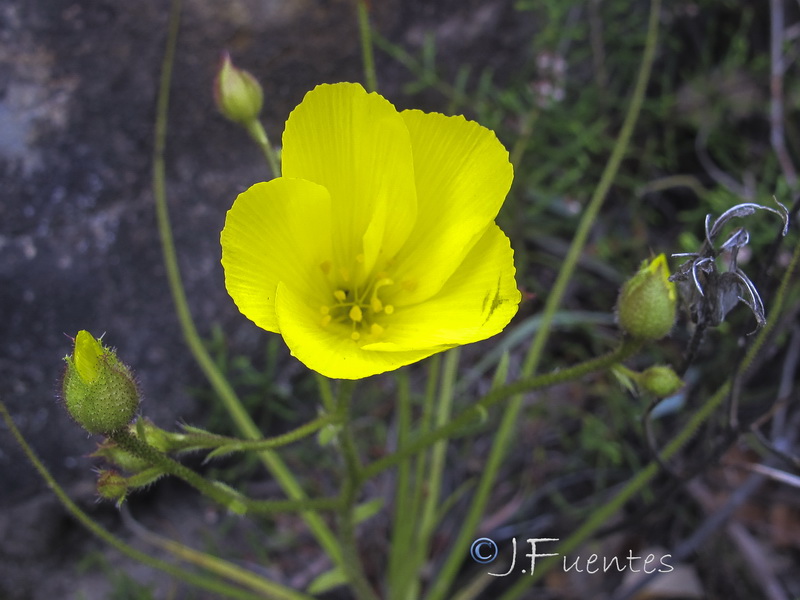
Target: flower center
<point>356,302</point>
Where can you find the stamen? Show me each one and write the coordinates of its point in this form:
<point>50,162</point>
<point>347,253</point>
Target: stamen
<point>325,310</point>
<point>345,273</point>
<point>356,314</point>
<point>340,295</point>
<point>376,329</point>
<point>326,320</point>
<point>375,302</point>
<point>388,309</point>
<point>409,285</point>
<point>355,336</point>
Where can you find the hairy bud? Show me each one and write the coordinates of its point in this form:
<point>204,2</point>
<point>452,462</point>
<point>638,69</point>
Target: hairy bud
<point>660,381</point>
<point>98,390</point>
<point>646,304</point>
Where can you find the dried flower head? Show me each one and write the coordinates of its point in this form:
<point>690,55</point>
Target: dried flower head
<point>710,293</point>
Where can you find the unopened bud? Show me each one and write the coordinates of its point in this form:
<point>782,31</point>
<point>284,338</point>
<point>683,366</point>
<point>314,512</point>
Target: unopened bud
<point>120,458</point>
<point>98,390</point>
<point>237,93</point>
<point>112,486</point>
<point>646,304</point>
<point>660,381</point>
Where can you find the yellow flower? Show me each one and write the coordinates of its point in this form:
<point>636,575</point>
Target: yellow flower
<point>377,247</point>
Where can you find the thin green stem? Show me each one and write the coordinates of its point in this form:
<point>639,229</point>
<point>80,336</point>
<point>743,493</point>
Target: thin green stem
<point>259,135</point>
<point>221,386</point>
<point>325,393</point>
<point>367,55</point>
<point>220,494</point>
<point>133,445</point>
<point>209,584</point>
<point>438,453</point>
<point>351,486</point>
<point>410,586</point>
<point>224,444</point>
<point>402,540</point>
<point>473,414</point>
<point>428,513</point>
<point>455,556</point>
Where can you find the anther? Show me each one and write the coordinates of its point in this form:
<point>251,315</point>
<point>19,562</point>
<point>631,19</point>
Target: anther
<point>376,329</point>
<point>388,309</point>
<point>340,295</point>
<point>375,302</point>
<point>324,310</point>
<point>356,314</point>
<point>326,320</point>
<point>355,336</point>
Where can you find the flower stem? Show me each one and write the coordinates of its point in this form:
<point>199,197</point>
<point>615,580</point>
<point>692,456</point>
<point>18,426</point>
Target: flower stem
<point>469,525</point>
<point>221,386</point>
<point>259,135</point>
<point>433,480</point>
<point>210,584</point>
<point>222,495</point>
<point>367,56</point>
<point>351,486</point>
<point>404,509</point>
<point>195,439</point>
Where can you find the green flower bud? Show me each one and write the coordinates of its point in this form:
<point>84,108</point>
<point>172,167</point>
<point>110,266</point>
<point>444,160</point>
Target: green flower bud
<point>237,93</point>
<point>660,381</point>
<point>161,440</point>
<point>646,304</point>
<point>119,457</point>
<point>112,486</point>
<point>98,390</point>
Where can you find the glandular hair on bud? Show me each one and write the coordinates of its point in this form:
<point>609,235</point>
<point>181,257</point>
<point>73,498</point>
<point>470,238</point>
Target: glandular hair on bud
<point>98,390</point>
<point>647,301</point>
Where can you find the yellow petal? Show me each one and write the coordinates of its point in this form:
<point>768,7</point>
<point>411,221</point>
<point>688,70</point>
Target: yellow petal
<point>477,302</point>
<point>87,355</point>
<point>462,176</point>
<point>276,231</point>
<point>357,146</point>
<point>331,350</point>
